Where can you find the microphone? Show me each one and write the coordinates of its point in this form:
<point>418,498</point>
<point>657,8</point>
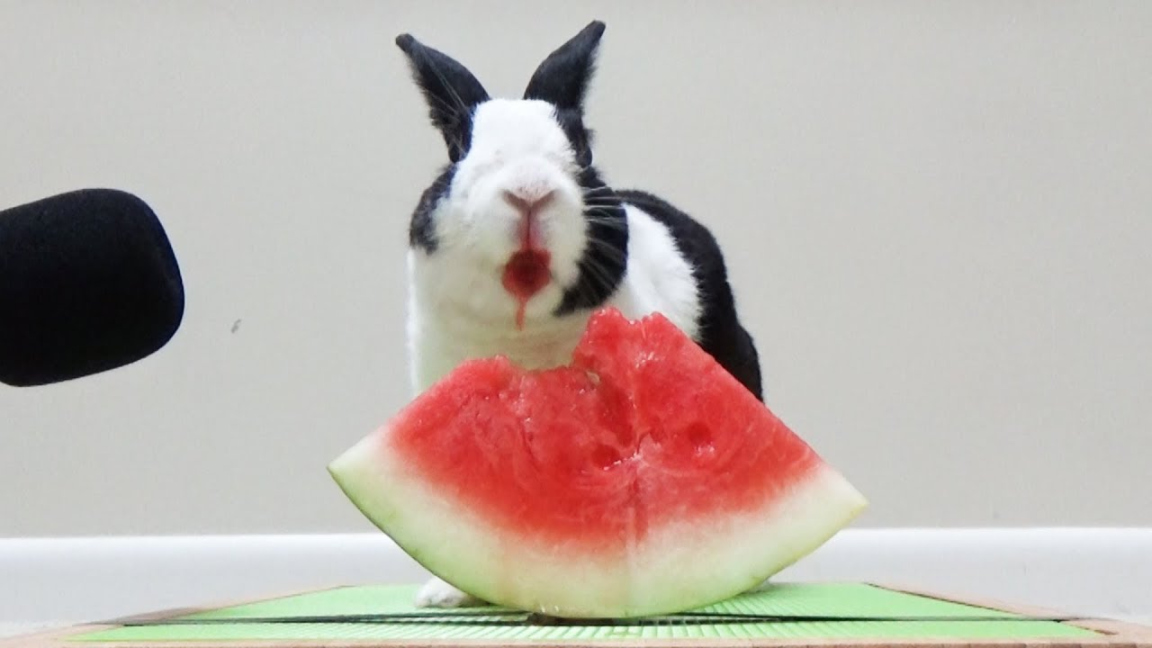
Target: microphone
<point>88,283</point>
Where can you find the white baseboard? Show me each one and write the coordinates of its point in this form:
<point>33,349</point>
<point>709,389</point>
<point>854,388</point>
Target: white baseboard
<point>1106,572</point>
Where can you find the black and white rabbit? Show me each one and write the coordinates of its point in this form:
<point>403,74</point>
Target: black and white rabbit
<point>518,239</point>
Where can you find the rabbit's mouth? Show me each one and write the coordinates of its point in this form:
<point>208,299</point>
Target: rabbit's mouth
<point>525,274</point>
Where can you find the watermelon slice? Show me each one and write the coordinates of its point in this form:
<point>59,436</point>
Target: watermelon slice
<point>640,480</point>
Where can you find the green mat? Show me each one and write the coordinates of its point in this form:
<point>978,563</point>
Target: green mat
<point>781,611</point>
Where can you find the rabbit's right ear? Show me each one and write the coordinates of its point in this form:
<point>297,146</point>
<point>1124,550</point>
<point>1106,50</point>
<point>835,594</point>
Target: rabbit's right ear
<point>450,90</point>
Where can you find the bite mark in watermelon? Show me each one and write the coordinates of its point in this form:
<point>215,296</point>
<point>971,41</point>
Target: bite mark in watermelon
<point>642,479</point>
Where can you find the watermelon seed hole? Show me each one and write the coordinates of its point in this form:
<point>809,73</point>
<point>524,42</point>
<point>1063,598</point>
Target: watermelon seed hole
<point>700,437</point>
<point>605,457</point>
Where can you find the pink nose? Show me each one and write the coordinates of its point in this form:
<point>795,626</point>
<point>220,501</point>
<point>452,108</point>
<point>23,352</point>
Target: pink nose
<point>527,203</point>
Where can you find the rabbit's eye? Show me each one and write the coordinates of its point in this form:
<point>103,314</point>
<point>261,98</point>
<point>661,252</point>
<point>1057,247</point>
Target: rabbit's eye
<point>578,137</point>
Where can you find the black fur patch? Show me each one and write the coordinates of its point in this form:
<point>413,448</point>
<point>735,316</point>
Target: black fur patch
<point>721,333</point>
<point>562,78</point>
<point>450,90</point>
<point>579,136</point>
<point>605,260</point>
<point>422,229</point>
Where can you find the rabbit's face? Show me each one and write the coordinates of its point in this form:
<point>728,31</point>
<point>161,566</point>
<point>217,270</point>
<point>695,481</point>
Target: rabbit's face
<point>515,200</point>
<point>519,223</point>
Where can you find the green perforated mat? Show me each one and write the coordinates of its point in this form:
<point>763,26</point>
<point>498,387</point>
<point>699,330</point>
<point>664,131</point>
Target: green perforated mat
<point>385,613</point>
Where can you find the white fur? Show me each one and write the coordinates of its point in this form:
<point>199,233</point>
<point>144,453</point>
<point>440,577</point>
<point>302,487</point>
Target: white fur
<point>658,279</point>
<point>458,307</point>
<point>438,594</point>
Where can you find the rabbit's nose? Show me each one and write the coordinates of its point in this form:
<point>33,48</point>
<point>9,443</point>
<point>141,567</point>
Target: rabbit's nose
<point>528,202</point>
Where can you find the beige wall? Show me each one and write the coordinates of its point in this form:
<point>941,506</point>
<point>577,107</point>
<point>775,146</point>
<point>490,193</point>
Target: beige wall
<point>937,217</point>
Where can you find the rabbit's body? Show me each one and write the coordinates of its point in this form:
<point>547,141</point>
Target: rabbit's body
<point>519,240</point>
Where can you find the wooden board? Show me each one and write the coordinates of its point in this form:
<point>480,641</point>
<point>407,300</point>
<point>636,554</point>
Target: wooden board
<point>866,630</point>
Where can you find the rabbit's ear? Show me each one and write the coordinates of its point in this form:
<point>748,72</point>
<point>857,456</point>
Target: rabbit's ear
<point>450,90</point>
<point>562,78</point>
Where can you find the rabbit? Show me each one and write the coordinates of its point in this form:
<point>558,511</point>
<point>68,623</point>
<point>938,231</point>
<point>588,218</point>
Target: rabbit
<point>518,239</point>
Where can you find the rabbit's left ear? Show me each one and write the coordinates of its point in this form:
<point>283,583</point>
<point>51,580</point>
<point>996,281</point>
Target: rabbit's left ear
<point>562,78</point>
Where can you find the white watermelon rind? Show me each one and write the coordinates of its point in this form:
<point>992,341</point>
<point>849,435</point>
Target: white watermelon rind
<point>675,568</point>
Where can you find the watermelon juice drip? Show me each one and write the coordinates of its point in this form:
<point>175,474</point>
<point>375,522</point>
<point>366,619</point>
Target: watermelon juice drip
<point>613,443</point>
<point>525,275</point>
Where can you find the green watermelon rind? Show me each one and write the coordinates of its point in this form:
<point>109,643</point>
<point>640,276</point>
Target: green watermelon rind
<point>679,567</point>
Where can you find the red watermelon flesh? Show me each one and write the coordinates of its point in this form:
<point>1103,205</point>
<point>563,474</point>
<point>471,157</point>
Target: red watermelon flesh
<point>642,479</point>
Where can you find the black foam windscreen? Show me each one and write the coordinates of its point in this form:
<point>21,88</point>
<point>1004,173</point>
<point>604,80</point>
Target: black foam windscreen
<point>88,283</point>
